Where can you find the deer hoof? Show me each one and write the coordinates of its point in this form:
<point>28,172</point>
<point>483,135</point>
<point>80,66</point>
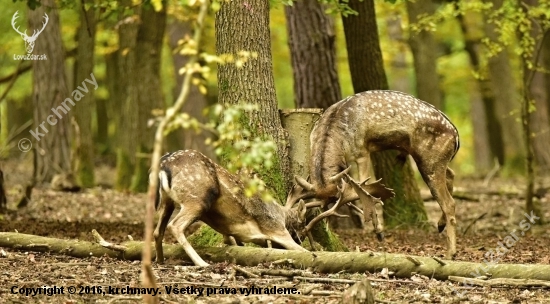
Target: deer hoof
<point>450,255</point>
<point>441,227</point>
<point>380,236</point>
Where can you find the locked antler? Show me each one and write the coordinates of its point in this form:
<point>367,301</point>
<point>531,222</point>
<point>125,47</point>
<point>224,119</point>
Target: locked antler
<point>370,195</point>
<point>331,211</point>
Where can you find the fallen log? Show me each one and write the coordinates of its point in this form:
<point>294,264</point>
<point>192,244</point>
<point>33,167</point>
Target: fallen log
<point>402,266</point>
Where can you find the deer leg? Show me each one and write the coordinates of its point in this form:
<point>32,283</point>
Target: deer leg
<point>186,217</point>
<point>450,179</point>
<point>439,187</point>
<point>166,210</point>
<point>229,240</point>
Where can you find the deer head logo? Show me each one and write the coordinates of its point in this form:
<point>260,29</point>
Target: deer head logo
<point>29,41</point>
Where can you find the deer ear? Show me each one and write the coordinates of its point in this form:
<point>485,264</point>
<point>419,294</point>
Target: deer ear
<point>301,209</point>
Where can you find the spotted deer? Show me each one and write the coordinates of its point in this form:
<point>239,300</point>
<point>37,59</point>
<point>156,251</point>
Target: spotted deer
<point>207,192</point>
<point>374,121</point>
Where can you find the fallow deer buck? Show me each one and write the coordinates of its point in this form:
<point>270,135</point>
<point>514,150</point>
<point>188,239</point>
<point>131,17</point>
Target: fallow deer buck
<point>374,121</point>
<point>207,192</point>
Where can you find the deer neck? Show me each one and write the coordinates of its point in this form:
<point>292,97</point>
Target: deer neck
<point>326,163</point>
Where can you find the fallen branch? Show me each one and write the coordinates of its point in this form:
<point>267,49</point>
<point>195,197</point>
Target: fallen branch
<point>324,262</point>
<point>99,239</point>
<point>500,282</point>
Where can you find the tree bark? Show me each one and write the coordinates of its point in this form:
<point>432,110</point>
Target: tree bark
<point>403,266</point>
<point>367,72</point>
<point>148,57</point>
<point>424,51</point>
<point>244,26</point>
<point>311,40</point>
<point>51,149</point>
<point>84,66</point>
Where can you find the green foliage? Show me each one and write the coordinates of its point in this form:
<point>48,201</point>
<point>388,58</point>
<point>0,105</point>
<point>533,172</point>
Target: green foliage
<point>32,4</point>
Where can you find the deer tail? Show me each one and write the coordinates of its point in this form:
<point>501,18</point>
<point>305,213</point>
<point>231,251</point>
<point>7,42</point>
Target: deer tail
<point>164,185</point>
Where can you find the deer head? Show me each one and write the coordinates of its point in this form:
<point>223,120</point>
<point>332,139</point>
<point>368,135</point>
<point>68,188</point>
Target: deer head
<point>29,40</point>
<point>350,190</point>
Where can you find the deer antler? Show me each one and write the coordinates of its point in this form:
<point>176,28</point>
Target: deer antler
<point>370,195</point>
<point>299,191</point>
<point>331,211</point>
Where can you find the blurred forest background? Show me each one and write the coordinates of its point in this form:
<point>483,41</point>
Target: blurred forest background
<point>471,59</point>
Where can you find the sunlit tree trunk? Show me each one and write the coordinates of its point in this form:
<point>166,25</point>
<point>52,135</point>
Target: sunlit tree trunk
<point>367,71</point>
<point>84,66</point>
<point>424,51</point>
<point>51,139</point>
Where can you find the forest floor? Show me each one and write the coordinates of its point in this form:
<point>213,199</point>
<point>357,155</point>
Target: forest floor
<point>489,214</point>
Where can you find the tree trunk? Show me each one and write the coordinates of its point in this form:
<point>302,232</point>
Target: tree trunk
<point>102,125</point>
<point>244,26</point>
<point>367,72</point>
<point>540,117</point>
<point>84,66</point>
<point>197,102</point>
<point>253,83</point>
<point>51,97</point>
<point>3,199</point>
<point>506,95</point>
<point>363,46</point>
<point>482,148</point>
<point>488,129</point>
<point>403,266</point>
<point>424,51</point>
<point>125,101</point>
<point>540,123</point>
<point>311,40</point>
<point>148,58</point>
